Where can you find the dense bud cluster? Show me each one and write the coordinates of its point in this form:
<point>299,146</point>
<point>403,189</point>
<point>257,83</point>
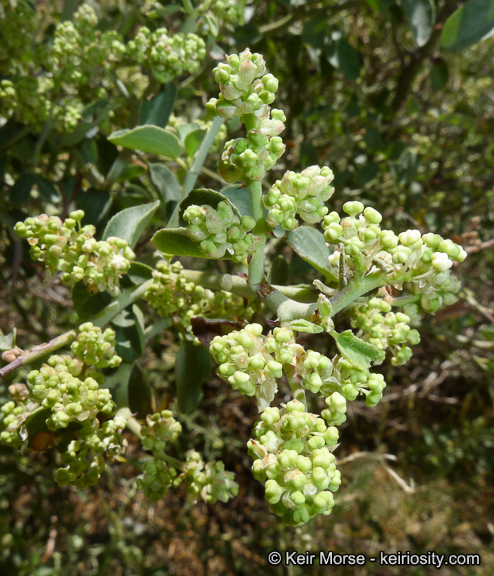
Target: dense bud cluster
<point>384,328</point>
<point>55,80</point>
<point>13,412</point>
<point>423,261</point>
<point>246,93</point>
<point>70,399</point>
<point>171,294</point>
<point>95,347</point>
<point>292,453</point>
<point>210,482</point>
<point>85,458</point>
<point>303,194</point>
<point>220,231</point>
<point>346,383</point>
<point>224,12</point>
<point>71,249</point>
<point>157,475</point>
<point>66,394</point>
<point>252,362</point>
<point>167,56</point>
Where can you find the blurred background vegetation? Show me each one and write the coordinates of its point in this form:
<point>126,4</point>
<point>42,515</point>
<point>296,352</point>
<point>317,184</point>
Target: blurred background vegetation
<point>369,88</point>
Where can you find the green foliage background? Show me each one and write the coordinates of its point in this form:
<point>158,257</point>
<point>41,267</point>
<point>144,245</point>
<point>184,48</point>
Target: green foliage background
<point>370,88</point>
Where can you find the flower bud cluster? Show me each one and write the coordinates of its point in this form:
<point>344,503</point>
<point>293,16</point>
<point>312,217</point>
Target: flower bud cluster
<point>157,475</point>
<point>384,328</point>
<point>171,294</point>
<point>66,392</point>
<point>161,428</point>
<point>246,93</point>
<point>252,363</point>
<point>85,458</point>
<point>210,482</point>
<point>303,194</point>
<point>166,56</point>
<point>226,13</point>
<point>71,249</point>
<point>95,347</point>
<point>345,384</point>
<point>13,412</point>
<point>423,260</point>
<point>429,303</point>
<point>56,80</point>
<point>292,453</point>
<point>56,386</point>
<point>220,231</point>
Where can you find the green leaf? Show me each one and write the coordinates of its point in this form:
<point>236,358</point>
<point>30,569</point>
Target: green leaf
<point>193,370</point>
<point>310,245</point>
<point>305,326</point>
<point>130,223</point>
<point>176,242</point>
<point>20,191</point>
<point>381,6</point>
<point>192,142</point>
<point>405,168</point>
<point>7,341</point>
<point>48,190</point>
<point>439,75</point>
<point>373,139</point>
<point>240,198</point>
<point>279,271</point>
<point>139,273</point>
<point>212,24</point>
<point>95,203</point>
<point>148,139</point>
<point>185,129</point>
<point>157,110</point>
<point>139,392</point>
<point>166,185</point>
<point>359,353</point>
<point>344,57</point>
<point>204,196</point>
<point>471,23</point>
<point>87,304</point>
<point>421,15</point>
<point>129,335</point>
<point>118,383</point>
<point>314,32</point>
<point>366,174</point>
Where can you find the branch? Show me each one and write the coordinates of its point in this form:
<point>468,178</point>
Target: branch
<point>105,316</point>
<point>39,351</point>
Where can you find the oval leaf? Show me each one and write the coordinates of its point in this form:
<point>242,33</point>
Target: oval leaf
<point>129,335</point>
<point>204,196</point>
<point>87,304</point>
<point>439,75</point>
<point>176,242</point>
<point>421,15</point>
<point>471,23</point>
<point>150,139</point>
<point>355,350</point>
<point>240,198</point>
<point>130,223</point>
<point>157,110</point>
<point>305,326</point>
<point>310,245</point>
<point>193,369</point>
